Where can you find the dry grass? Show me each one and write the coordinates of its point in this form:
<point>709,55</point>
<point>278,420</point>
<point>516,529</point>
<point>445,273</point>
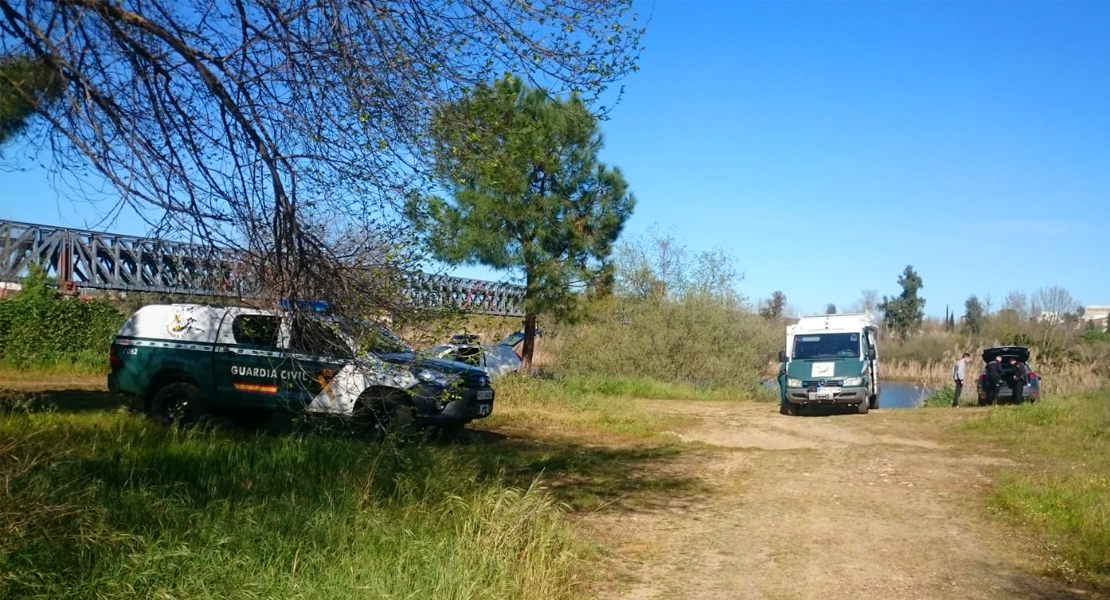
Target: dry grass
<point>1056,377</point>
<point>38,380</point>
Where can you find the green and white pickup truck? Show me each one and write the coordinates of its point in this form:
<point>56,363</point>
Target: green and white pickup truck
<point>184,359</point>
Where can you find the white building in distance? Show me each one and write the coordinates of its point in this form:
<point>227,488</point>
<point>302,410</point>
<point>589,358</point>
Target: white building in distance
<point>1098,314</point>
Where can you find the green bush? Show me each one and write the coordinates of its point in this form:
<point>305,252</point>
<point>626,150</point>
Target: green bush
<point>707,342</point>
<point>40,327</point>
<point>945,395</point>
<point>923,348</point>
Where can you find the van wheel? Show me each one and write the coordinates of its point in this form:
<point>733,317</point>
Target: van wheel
<point>873,402</point>
<point>863,407</point>
<point>789,408</point>
<point>384,415</point>
<point>177,403</point>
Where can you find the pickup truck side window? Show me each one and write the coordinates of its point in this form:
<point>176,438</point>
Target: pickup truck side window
<point>256,330</point>
<point>316,339</point>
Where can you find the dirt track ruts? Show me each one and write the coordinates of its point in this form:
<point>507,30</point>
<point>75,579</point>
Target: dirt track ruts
<point>833,507</point>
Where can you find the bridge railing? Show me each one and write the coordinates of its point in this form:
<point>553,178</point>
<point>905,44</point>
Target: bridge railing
<point>83,259</point>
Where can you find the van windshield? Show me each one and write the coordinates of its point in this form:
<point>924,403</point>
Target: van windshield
<point>826,345</point>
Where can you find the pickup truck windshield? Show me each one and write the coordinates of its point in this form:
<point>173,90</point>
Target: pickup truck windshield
<point>374,339</point>
<point>826,345</point>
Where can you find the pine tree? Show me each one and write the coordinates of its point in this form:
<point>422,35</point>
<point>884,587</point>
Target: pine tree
<point>527,193</point>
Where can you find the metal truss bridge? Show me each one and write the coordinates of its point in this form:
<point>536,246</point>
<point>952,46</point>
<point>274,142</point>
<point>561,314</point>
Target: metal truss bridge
<point>96,260</point>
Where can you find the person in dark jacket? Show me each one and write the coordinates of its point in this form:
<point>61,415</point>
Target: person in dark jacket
<point>1019,376</point>
<point>959,373</point>
<point>993,380</point>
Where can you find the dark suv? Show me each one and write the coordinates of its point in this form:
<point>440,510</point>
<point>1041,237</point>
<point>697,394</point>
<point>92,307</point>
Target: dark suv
<point>1032,389</point>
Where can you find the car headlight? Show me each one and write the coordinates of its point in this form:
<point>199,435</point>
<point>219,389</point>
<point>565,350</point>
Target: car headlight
<point>853,381</point>
<point>791,382</point>
<point>435,377</point>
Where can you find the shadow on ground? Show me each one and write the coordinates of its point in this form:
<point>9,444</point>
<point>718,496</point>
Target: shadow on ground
<point>64,401</point>
<point>831,410</point>
<point>1031,587</point>
<point>591,477</point>
<point>582,476</point>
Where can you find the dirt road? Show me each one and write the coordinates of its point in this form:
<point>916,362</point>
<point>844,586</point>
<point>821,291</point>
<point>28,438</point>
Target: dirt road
<point>884,505</point>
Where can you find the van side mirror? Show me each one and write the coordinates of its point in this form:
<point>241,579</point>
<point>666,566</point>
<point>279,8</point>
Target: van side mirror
<point>782,356</point>
<point>872,353</point>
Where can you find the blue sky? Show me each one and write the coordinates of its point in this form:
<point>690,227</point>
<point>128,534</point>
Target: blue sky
<point>828,145</point>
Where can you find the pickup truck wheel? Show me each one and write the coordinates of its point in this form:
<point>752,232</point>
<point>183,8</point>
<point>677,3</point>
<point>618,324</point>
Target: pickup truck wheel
<point>446,434</point>
<point>177,403</point>
<point>863,407</point>
<point>385,415</point>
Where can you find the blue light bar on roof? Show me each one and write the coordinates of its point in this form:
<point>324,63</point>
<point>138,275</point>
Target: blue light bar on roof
<point>311,305</point>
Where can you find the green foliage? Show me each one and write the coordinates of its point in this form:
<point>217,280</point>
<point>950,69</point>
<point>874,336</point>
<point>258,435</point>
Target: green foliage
<point>973,315</point>
<point>678,320</point>
<point>830,309</point>
<point>924,348</point>
<point>643,387</point>
<point>906,311</point>
<point>659,266</point>
<point>527,192</point>
<point>773,307</point>
<point>944,396</point>
<point>1060,488</point>
<point>41,328</point>
<point>108,505</point>
<point>703,342</point>
<point>26,84</point>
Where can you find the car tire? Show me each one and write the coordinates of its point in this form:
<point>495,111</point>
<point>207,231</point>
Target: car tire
<point>789,409</point>
<point>863,407</point>
<point>177,403</point>
<point>873,402</point>
<point>385,415</point>
<point>447,434</point>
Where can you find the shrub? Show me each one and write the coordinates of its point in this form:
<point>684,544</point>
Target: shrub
<point>41,328</point>
<point>708,342</point>
<point>945,395</point>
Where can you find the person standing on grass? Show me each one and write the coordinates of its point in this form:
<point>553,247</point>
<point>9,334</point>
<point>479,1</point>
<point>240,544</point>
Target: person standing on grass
<point>993,379</point>
<point>959,373</point>
<point>1019,375</point>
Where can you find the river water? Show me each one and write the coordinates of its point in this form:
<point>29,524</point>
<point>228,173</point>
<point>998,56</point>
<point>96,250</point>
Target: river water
<point>900,394</point>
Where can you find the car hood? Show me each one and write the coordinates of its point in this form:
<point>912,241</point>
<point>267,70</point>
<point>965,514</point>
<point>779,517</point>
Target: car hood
<point>442,365</point>
<point>516,337</point>
<point>1006,352</point>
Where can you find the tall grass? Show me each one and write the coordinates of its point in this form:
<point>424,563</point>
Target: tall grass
<point>105,505</point>
<point>928,358</point>
<point>703,342</point>
<point>584,407</point>
<point>1062,487</point>
<point>1056,377</point>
